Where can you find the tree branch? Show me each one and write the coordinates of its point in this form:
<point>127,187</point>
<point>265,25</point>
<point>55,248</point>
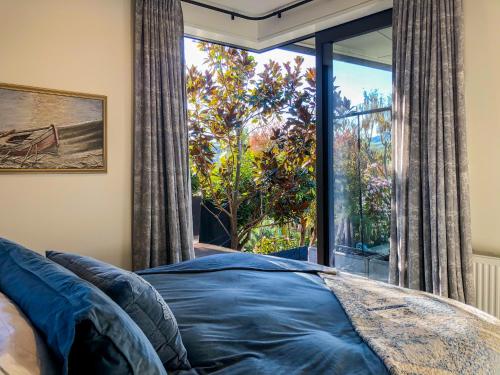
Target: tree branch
<point>217,218</point>
<point>244,241</point>
<point>247,228</point>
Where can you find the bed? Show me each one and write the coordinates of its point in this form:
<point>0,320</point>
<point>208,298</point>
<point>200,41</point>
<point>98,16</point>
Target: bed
<point>229,314</point>
<point>247,314</point>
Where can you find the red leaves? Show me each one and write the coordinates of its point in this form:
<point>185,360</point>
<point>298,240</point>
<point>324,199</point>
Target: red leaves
<point>252,136</point>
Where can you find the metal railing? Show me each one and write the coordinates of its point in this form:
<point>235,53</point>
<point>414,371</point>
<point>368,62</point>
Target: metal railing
<point>362,113</point>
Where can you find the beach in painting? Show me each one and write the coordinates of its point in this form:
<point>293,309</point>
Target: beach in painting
<point>41,130</point>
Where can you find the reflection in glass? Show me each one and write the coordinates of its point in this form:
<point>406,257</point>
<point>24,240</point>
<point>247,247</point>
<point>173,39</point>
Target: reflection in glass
<point>362,154</point>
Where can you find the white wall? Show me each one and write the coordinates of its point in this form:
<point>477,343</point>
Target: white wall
<point>482,89</point>
<point>83,46</point>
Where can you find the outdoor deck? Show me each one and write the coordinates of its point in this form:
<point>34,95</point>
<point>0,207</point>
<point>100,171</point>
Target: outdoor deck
<point>205,249</point>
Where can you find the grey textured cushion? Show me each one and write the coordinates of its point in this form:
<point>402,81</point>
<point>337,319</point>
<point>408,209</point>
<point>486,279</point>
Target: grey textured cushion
<point>138,298</point>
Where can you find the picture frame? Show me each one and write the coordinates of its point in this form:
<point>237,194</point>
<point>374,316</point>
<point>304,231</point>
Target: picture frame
<point>52,131</point>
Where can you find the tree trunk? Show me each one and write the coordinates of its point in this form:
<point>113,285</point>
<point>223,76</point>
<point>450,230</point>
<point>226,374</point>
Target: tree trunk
<point>303,227</point>
<point>235,242</point>
<point>234,231</point>
<point>312,239</point>
<point>386,171</point>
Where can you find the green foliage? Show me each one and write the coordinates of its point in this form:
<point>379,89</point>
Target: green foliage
<point>361,168</point>
<point>270,237</point>
<point>288,163</point>
<point>195,184</point>
<point>226,103</point>
<point>269,245</point>
<point>252,145</point>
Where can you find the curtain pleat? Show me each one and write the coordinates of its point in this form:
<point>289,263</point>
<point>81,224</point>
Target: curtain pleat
<point>162,219</point>
<point>430,232</point>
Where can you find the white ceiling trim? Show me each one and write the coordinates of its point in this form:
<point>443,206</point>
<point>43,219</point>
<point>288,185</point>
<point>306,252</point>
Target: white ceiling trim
<point>222,36</point>
<point>295,24</point>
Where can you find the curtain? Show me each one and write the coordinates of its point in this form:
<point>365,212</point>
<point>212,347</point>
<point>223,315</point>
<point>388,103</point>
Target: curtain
<point>430,232</point>
<point>162,218</point>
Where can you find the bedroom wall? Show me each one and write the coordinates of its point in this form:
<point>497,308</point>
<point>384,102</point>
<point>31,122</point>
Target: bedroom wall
<point>482,90</point>
<point>85,46</point>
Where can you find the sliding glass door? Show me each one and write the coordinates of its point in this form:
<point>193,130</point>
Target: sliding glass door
<point>354,88</point>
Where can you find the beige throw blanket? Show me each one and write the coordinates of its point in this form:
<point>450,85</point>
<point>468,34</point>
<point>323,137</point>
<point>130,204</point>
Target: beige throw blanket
<point>419,333</point>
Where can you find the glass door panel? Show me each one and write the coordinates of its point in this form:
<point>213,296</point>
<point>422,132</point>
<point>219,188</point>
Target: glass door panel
<point>354,118</point>
<point>361,67</point>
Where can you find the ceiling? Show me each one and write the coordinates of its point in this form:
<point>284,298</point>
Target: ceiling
<point>296,24</point>
<point>375,46</point>
<point>253,8</point>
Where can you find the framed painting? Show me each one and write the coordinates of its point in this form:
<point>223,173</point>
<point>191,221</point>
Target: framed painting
<point>43,130</point>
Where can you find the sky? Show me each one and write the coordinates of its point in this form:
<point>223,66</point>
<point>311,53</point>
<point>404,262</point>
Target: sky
<point>352,79</point>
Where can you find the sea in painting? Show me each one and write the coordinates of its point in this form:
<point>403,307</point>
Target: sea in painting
<point>50,131</point>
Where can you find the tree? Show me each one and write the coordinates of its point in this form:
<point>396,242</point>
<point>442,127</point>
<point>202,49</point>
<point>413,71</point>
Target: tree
<point>225,104</point>
<point>361,168</point>
<point>289,159</point>
<point>376,158</point>
<point>288,162</point>
<point>252,145</point>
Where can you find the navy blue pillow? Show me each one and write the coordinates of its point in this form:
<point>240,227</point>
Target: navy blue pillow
<point>139,299</point>
<point>86,330</point>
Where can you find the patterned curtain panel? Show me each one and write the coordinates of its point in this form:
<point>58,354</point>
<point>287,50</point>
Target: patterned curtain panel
<point>430,239</point>
<point>162,221</point>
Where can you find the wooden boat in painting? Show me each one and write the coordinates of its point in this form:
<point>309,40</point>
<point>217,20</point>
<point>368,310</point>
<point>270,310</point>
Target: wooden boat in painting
<point>28,142</point>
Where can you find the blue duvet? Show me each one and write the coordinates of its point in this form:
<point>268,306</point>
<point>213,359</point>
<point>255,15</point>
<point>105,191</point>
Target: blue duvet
<point>250,314</point>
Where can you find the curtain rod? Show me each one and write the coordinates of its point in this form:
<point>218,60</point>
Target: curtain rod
<point>244,16</point>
